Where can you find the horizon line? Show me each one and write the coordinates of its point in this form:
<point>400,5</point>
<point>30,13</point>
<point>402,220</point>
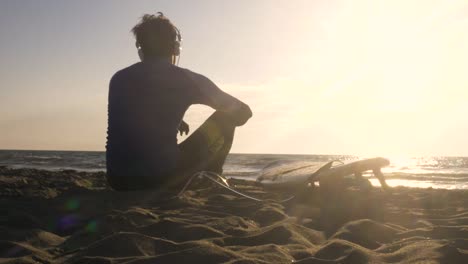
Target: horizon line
<point>254,153</point>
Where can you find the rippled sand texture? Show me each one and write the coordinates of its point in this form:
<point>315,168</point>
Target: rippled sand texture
<point>72,217</point>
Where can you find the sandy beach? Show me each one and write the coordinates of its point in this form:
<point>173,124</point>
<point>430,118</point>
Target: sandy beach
<point>73,217</point>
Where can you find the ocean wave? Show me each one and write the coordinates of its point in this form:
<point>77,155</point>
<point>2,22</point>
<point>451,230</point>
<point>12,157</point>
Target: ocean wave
<point>43,167</point>
<point>33,157</point>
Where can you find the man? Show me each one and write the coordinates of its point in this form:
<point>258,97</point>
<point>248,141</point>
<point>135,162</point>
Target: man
<point>147,102</point>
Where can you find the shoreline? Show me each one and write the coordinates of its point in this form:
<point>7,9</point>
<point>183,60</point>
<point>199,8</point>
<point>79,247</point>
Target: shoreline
<point>405,180</point>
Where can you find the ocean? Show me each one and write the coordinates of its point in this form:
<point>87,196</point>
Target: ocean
<point>423,172</point>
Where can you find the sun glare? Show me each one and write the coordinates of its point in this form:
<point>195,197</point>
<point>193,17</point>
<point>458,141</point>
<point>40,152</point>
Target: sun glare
<point>393,64</point>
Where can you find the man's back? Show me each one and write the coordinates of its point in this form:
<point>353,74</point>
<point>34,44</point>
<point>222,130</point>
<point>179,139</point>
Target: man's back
<point>146,104</point>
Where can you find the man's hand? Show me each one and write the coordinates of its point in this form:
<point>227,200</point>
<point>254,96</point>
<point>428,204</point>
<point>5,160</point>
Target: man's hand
<point>183,127</point>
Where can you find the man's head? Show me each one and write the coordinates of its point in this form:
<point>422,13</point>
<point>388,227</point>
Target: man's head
<point>156,36</point>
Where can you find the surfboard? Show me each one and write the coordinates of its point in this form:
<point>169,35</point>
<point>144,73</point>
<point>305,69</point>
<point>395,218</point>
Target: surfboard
<point>295,174</point>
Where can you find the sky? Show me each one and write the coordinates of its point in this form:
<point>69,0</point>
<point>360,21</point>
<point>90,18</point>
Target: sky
<point>360,77</point>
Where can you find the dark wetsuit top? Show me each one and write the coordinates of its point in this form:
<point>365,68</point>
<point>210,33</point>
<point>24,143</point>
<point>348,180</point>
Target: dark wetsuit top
<point>147,102</point>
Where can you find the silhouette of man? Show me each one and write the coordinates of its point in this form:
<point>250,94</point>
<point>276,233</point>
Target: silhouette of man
<point>147,102</point>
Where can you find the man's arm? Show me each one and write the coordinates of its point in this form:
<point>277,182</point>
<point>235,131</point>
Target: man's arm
<point>237,110</point>
<point>219,100</point>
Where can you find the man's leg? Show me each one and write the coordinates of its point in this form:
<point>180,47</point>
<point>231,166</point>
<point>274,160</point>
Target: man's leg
<point>207,147</point>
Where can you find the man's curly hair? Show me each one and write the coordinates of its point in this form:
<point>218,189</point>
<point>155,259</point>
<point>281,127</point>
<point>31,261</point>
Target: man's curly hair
<point>155,34</point>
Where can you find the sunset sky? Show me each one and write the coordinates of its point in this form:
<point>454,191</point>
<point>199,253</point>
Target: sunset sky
<point>322,77</point>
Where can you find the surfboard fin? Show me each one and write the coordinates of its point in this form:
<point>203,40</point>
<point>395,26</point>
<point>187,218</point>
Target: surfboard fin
<point>316,174</point>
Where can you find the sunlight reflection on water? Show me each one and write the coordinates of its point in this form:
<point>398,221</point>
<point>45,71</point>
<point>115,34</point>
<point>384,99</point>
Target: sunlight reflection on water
<point>421,184</point>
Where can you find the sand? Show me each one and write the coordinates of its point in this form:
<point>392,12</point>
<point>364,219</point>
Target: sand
<point>73,217</point>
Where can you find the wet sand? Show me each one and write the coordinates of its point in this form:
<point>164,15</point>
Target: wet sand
<point>73,217</point>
